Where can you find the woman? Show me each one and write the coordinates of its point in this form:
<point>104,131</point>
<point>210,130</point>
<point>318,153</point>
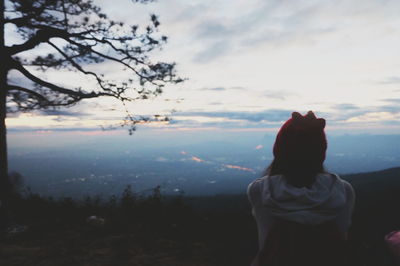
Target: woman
<point>302,212</point>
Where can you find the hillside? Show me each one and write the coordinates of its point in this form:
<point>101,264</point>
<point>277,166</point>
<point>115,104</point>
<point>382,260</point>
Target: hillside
<point>157,230</point>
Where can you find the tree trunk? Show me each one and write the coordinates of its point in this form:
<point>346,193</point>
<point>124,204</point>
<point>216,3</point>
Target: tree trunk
<point>4,181</point>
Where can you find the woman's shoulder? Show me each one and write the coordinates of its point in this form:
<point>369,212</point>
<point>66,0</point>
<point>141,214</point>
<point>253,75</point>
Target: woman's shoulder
<point>254,189</point>
<point>346,184</point>
<point>258,183</point>
<point>259,186</point>
<point>255,185</point>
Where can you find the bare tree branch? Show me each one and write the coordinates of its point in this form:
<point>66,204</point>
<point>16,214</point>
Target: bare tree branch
<point>112,59</point>
<point>42,36</point>
<point>78,67</point>
<point>18,21</point>
<point>75,94</point>
<point>34,93</point>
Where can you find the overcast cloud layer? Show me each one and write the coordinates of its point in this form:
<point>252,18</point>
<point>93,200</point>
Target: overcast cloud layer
<point>251,63</point>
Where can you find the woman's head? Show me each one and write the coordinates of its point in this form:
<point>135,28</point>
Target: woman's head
<point>299,149</point>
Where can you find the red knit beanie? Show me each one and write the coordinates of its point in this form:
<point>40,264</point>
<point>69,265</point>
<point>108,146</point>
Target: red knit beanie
<point>301,137</point>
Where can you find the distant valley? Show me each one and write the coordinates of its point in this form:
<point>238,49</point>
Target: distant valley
<point>205,167</point>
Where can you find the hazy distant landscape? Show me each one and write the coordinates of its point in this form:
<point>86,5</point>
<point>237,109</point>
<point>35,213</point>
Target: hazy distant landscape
<point>199,163</point>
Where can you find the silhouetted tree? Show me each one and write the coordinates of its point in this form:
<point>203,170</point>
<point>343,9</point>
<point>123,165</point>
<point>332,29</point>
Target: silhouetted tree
<point>76,34</point>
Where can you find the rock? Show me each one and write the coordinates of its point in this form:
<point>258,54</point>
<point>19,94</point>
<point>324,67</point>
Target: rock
<point>95,220</point>
<point>16,229</point>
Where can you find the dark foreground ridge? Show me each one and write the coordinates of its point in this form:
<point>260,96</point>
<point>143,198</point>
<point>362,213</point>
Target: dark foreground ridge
<point>157,230</point>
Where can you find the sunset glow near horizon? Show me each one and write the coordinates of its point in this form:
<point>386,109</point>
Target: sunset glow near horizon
<point>249,64</point>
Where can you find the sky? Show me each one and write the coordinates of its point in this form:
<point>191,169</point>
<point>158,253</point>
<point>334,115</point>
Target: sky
<point>250,63</point>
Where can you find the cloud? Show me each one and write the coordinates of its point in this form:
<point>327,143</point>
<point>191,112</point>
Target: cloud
<point>214,89</point>
<point>213,29</point>
<point>215,103</point>
<point>223,88</point>
<point>392,107</point>
<point>375,117</point>
<point>345,106</point>
<point>392,100</point>
<point>63,113</point>
<point>265,23</point>
<point>351,113</point>
<point>273,115</point>
<point>277,94</point>
<point>277,23</point>
<point>390,80</point>
<point>268,44</point>
<point>238,88</point>
<point>56,129</point>
<point>212,52</point>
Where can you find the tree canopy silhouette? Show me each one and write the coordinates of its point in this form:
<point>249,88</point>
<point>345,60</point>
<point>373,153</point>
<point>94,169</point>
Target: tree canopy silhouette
<point>74,35</point>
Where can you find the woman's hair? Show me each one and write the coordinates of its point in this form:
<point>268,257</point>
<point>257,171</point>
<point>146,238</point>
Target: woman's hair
<point>299,150</point>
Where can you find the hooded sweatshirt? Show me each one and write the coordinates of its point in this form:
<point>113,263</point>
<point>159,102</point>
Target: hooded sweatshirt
<point>330,198</point>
